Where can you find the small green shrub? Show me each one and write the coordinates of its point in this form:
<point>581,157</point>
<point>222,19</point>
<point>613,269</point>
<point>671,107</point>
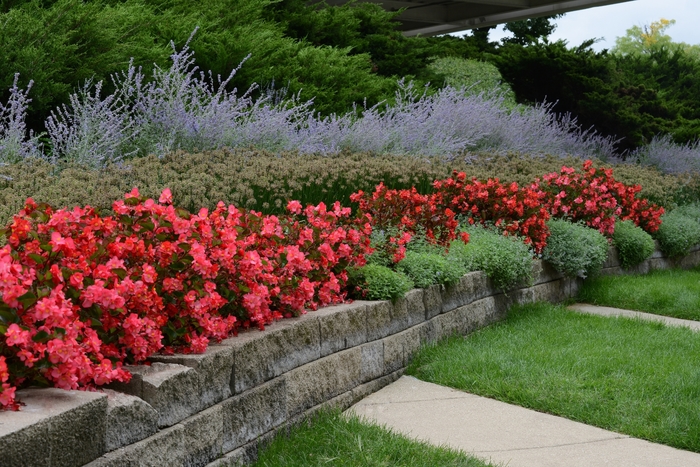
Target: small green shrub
<point>505,260</point>
<point>689,210</point>
<point>426,269</point>
<point>678,233</point>
<point>633,244</point>
<point>574,249</point>
<point>376,282</point>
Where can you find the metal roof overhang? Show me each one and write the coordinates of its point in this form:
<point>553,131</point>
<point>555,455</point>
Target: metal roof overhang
<point>433,17</point>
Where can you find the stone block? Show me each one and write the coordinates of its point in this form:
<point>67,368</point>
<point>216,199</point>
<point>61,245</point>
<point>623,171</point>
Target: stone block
<point>524,295</point>
<point>379,316</point>
<point>428,334</point>
<point>444,326</point>
<point>483,286</point>
<point>613,258</point>
<point>555,291</point>
<point>55,428</point>
<point>342,326</point>
<point>259,357</point>
<point>372,355</point>
<point>364,390</point>
<point>660,263</point>
<point>203,434</point>
<point>167,447</point>
<point>458,294</point>
<point>254,412</point>
<point>689,261</point>
<point>432,300</point>
<point>319,381</point>
<point>213,367</point>
<point>408,311</point>
<point>399,348</point>
<point>172,390</point>
<point>129,419</point>
<point>542,272</point>
<point>246,454</point>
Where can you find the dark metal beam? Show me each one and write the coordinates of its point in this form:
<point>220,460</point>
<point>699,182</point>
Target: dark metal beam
<point>453,21</point>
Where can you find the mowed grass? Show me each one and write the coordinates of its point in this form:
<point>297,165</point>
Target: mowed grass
<point>671,292</point>
<point>331,439</point>
<point>632,377</point>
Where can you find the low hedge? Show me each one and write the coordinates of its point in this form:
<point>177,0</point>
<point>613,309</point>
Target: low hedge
<point>265,181</point>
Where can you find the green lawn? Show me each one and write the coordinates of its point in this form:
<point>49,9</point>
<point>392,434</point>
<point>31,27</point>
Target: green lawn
<point>632,377</point>
<point>673,292</point>
<point>332,439</point>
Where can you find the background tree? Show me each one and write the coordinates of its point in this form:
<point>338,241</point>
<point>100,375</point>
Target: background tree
<point>531,30</point>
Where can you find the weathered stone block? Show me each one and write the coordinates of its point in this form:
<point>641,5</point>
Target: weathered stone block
<point>364,390</point>
<point>259,357</point>
<point>254,412</point>
<point>542,272</point>
<point>372,360</point>
<point>483,286</point>
<point>167,447</point>
<point>172,390</point>
<point>379,315</point>
<point>432,300</point>
<point>408,311</point>
<point>246,454</point>
<point>691,260</point>
<point>213,367</point>
<point>318,381</point>
<point>203,434</point>
<point>342,326</point>
<point>399,348</point>
<point>522,296</point>
<point>427,332</point>
<point>129,419</point>
<point>55,428</point>
<point>613,258</point>
<point>555,291</point>
<point>458,294</point>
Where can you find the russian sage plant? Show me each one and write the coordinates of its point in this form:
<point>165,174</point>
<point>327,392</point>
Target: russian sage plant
<point>668,156</point>
<point>15,143</point>
<point>92,131</point>
<point>183,108</point>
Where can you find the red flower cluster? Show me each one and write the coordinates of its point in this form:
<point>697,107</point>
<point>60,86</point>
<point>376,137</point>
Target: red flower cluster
<point>82,294</point>
<point>597,199</point>
<point>408,211</point>
<point>513,209</point>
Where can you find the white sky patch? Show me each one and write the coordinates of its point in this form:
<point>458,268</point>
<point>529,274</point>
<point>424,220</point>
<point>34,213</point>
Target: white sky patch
<point>612,21</point>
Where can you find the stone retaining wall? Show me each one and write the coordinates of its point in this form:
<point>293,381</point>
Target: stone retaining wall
<point>217,408</point>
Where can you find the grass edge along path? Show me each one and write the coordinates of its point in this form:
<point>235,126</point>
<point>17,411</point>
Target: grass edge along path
<point>333,438</point>
<point>637,378</point>
<point>670,292</point>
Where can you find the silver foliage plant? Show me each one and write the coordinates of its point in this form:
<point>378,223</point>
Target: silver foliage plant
<point>668,156</point>
<point>15,143</point>
<point>185,108</point>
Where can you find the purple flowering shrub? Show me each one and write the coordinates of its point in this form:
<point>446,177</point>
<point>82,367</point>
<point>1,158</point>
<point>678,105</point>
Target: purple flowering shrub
<point>184,108</point>
<point>669,157</point>
<point>15,143</point>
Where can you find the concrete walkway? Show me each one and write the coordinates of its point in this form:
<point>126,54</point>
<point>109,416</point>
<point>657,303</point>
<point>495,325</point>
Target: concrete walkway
<point>513,436</point>
<point>607,311</point>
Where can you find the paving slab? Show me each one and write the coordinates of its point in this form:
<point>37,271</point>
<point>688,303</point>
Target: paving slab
<point>613,312</point>
<point>506,434</point>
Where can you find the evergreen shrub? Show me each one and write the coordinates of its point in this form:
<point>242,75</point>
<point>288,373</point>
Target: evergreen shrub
<point>678,233</point>
<point>574,249</point>
<point>633,244</point>
<point>506,260</point>
<point>377,282</point>
<point>426,269</point>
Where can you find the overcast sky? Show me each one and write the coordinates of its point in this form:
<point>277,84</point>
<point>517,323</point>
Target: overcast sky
<point>611,21</point>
